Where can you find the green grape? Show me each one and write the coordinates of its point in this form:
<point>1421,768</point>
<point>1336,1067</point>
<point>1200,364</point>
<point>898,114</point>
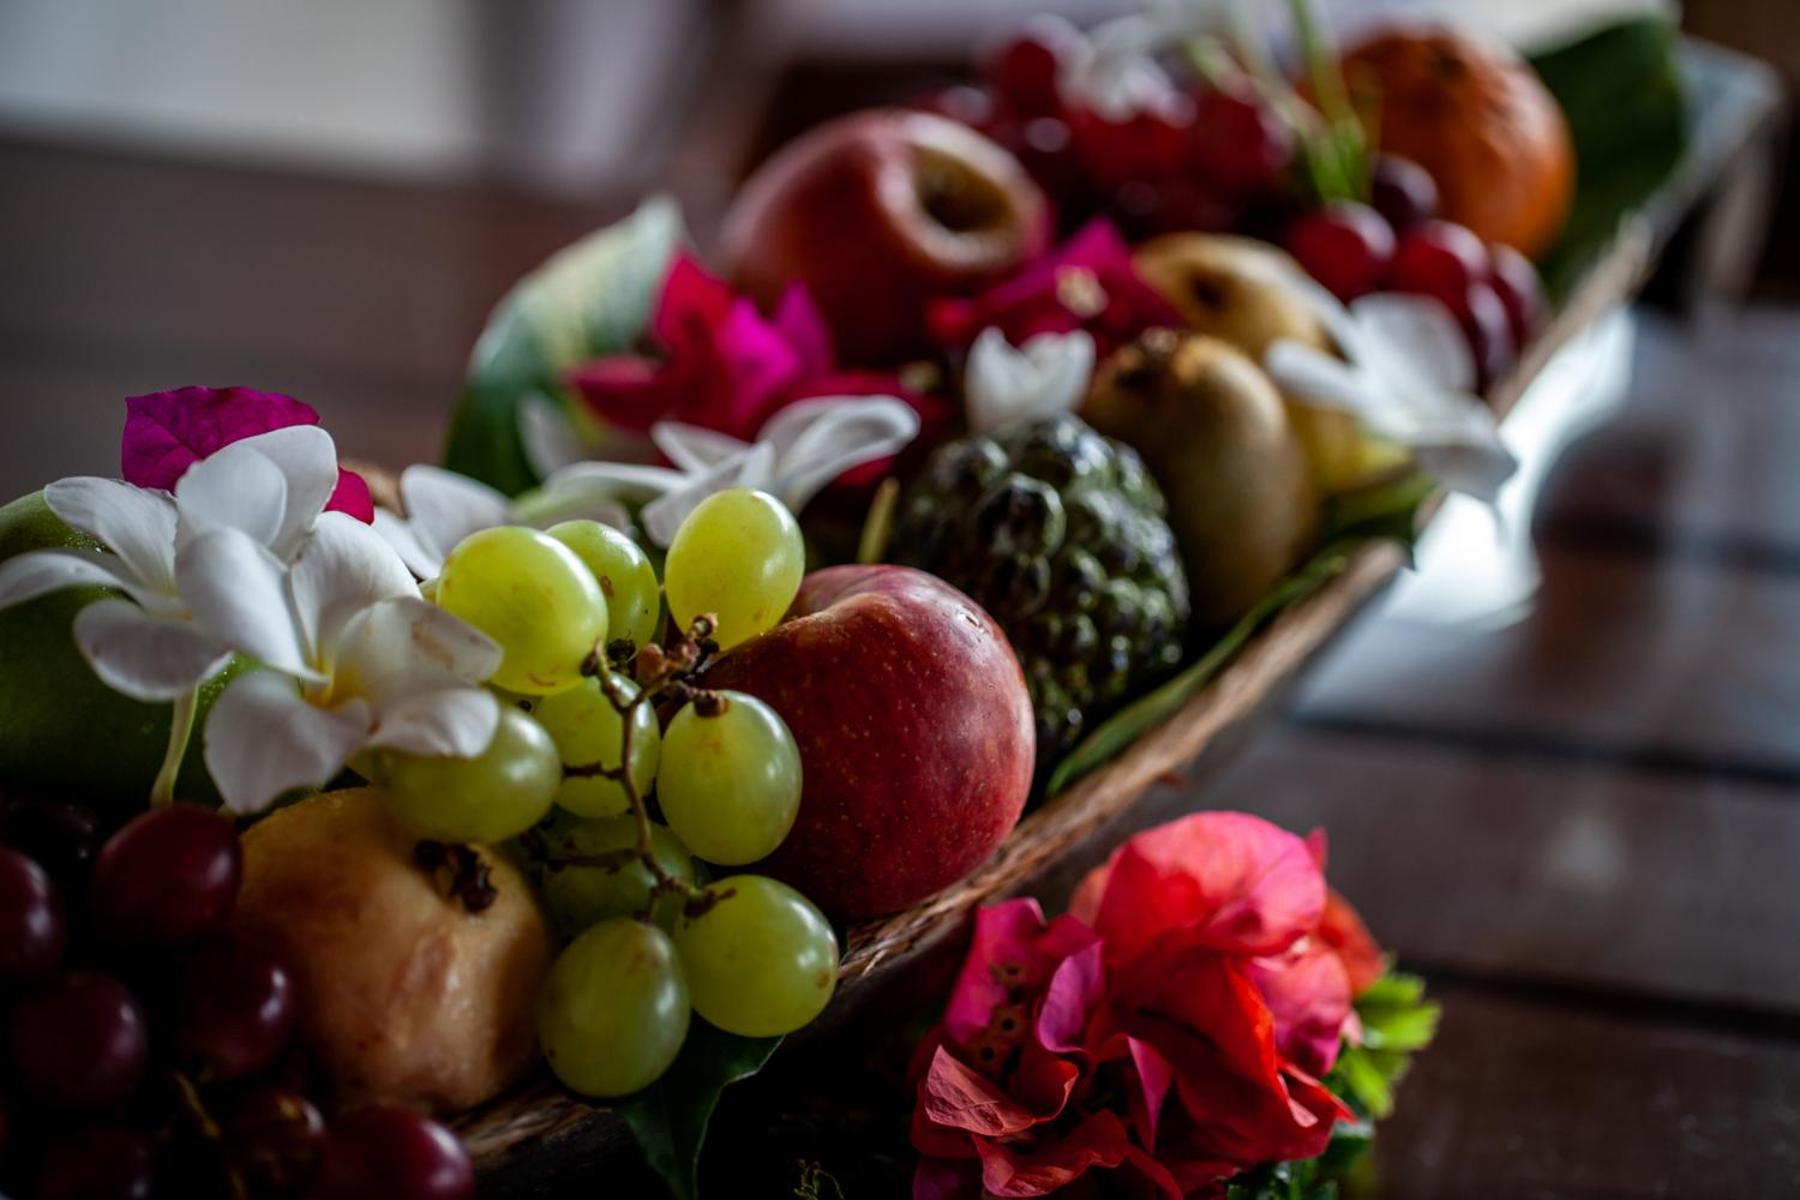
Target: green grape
<point>498,794</point>
<point>739,556</point>
<point>528,592</point>
<point>588,729</point>
<point>762,961</point>
<point>613,1011</point>
<point>578,897</point>
<point>633,597</point>
<point>729,784</point>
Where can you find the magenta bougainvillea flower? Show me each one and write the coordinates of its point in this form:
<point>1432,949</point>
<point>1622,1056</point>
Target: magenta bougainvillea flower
<point>168,432</point>
<point>1170,1030</point>
<point>1087,283</point>
<point>719,363</point>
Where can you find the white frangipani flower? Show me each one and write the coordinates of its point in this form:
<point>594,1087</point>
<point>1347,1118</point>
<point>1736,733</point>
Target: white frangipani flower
<point>1407,375</point>
<point>1046,377</point>
<point>798,451</point>
<point>357,660</point>
<point>1114,70</point>
<point>257,497</point>
<point>443,508</point>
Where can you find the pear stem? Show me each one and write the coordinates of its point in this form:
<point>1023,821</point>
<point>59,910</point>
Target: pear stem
<point>181,730</point>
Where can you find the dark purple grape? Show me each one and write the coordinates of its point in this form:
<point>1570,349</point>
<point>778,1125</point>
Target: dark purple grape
<point>78,1042</point>
<point>274,1139</point>
<point>100,1162</point>
<point>390,1153</point>
<point>33,931</point>
<point>168,878</point>
<point>234,1008</point>
<point>1402,191</point>
<point>59,836</point>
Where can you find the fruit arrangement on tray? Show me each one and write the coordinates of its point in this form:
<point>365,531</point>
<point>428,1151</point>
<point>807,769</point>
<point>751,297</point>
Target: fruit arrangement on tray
<point>752,604</point>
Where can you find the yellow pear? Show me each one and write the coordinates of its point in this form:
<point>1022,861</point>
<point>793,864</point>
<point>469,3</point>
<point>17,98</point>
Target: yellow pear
<point>1241,290</point>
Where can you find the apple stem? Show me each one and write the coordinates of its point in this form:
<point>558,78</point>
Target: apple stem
<point>181,730</point>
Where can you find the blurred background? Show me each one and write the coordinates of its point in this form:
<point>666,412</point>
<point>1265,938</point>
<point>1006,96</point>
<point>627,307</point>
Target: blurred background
<point>1567,787</point>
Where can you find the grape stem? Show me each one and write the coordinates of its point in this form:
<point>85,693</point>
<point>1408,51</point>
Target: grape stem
<point>661,674</point>
<point>181,730</point>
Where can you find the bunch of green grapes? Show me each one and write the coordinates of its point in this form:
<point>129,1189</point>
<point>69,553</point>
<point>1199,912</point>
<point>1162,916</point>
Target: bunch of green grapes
<point>579,758</point>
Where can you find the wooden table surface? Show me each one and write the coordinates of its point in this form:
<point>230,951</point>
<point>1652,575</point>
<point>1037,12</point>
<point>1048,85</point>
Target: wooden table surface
<point>1584,827</point>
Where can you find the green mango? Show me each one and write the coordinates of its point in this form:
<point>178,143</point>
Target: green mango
<point>63,733</point>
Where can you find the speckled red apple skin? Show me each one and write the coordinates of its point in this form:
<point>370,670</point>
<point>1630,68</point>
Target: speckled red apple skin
<point>915,733</point>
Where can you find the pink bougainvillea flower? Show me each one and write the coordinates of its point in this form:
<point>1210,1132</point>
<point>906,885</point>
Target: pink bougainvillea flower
<point>1308,992</point>
<point>168,432</point>
<point>720,364</point>
<point>1343,930</point>
<point>1235,882</point>
<point>1238,1102</point>
<point>1088,283</point>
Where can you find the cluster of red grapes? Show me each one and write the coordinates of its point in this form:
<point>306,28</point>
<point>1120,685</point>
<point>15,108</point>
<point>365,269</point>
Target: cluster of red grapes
<point>1397,243</point>
<point>148,1048</point>
<point>1215,157</point>
<point>1208,157</point>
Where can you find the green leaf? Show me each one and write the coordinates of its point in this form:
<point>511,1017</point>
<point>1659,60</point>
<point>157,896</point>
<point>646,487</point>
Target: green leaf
<point>669,1118</point>
<point>1131,722</point>
<point>589,299</point>
<point>1621,90</point>
<point>1386,510</point>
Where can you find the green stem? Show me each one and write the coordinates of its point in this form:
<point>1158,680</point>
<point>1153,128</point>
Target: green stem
<point>181,729</point>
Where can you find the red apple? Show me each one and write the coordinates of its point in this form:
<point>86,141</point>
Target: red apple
<point>878,212</point>
<point>915,734</point>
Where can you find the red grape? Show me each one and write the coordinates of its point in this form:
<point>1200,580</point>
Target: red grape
<point>972,106</point>
<point>1025,68</point>
<point>1441,260</point>
<point>78,1042</point>
<point>234,1009</point>
<point>100,1162</point>
<point>1490,338</point>
<point>33,931</point>
<point>1148,146</point>
<point>1239,146</point>
<point>274,1139</point>
<point>168,878</point>
<point>390,1153</point>
<point>60,837</point>
<point>1345,246</point>
<point>1402,191</point>
<point>1516,282</point>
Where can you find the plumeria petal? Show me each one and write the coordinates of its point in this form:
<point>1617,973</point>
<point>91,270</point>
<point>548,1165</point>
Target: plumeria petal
<point>238,488</point>
<point>694,448</point>
<point>548,435</point>
<point>143,656</point>
<point>263,739</point>
<point>137,524</point>
<point>1419,338</point>
<point>307,459</point>
<point>455,722</point>
<point>1046,377</point>
<point>404,644</point>
<point>443,507</point>
<point>345,567</point>
<point>817,441</point>
<point>40,572</point>
<point>237,590</point>
<point>397,532</point>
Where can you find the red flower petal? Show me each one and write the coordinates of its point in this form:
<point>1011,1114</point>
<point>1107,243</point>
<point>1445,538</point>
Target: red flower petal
<point>168,432</point>
<point>1235,881</point>
<point>352,496</point>
<point>955,1097</point>
<point>1042,1167</point>
<point>1073,994</point>
<point>690,305</point>
<point>1012,949</point>
<point>1308,991</point>
<point>1343,930</point>
<point>627,390</point>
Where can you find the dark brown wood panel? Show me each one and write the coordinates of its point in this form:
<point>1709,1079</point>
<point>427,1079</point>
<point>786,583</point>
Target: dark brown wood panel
<point>1626,657</point>
<point>1534,1098</point>
<point>1518,865</point>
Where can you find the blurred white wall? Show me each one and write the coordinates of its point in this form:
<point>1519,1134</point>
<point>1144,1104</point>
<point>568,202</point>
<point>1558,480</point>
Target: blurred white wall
<point>560,92</point>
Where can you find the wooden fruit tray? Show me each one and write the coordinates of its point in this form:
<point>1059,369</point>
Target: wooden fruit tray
<point>525,1141</point>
